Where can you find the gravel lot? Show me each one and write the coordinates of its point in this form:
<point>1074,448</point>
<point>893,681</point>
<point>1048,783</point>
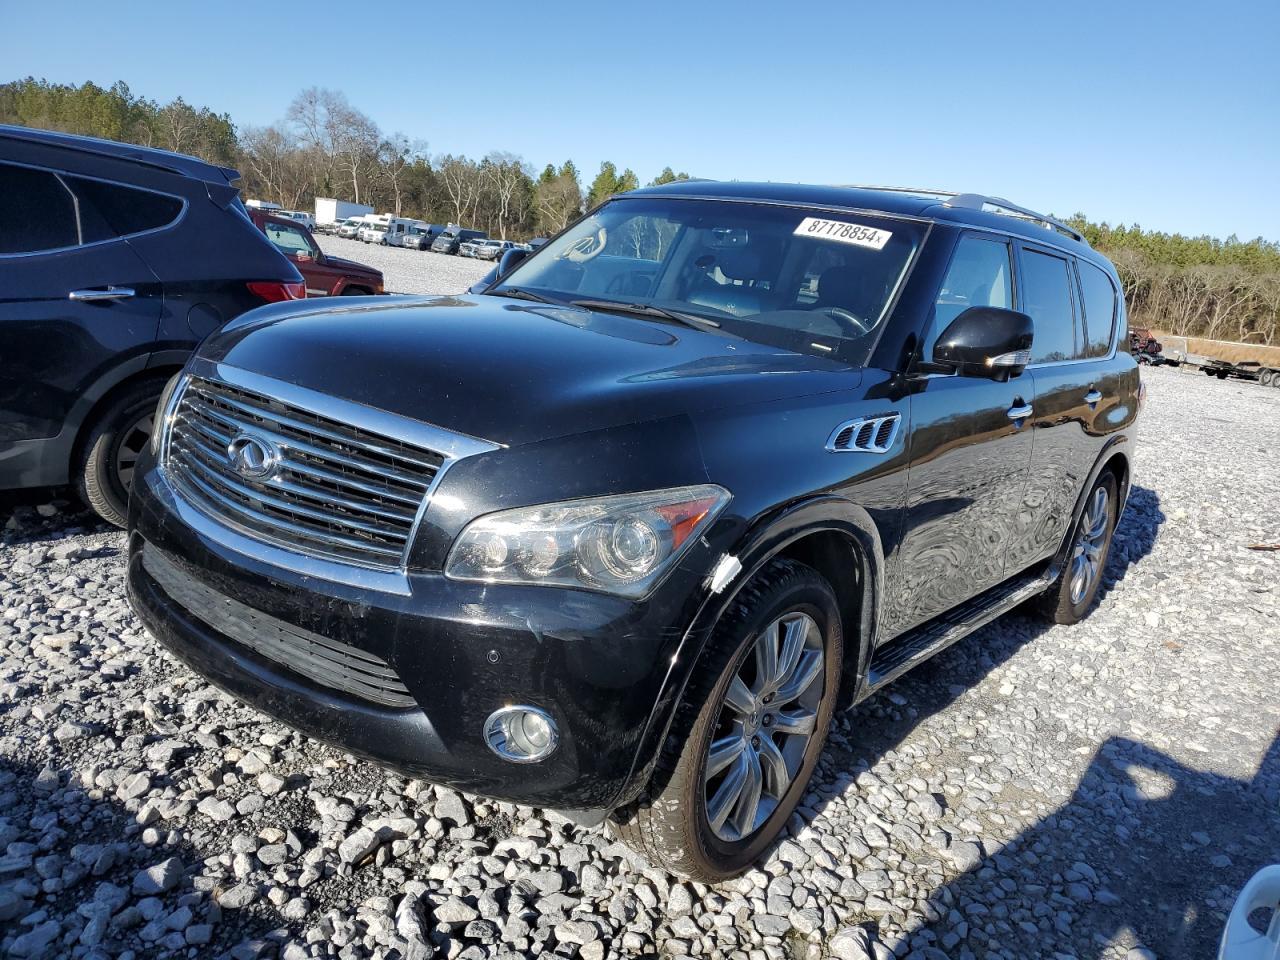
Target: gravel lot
<point>1092,791</point>
<point>410,271</point>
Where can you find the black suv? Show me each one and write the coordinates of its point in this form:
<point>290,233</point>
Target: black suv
<point>452,239</point>
<point>618,535</point>
<point>114,261</point>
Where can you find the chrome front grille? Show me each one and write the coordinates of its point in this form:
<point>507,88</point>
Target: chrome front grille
<point>326,488</point>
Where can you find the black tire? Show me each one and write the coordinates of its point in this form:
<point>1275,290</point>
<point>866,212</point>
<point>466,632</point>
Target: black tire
<point>355,292</point>
<point>1222,374</point>
<point>118,434</point>
<point>669,823</point>
<point>1058,603</point>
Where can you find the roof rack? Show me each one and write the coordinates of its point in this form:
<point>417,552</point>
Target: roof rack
<point>977,201</point>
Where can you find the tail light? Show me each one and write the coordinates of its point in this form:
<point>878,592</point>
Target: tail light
<point>272,291</point>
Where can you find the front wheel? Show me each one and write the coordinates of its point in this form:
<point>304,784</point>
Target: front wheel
<point>749,731</point>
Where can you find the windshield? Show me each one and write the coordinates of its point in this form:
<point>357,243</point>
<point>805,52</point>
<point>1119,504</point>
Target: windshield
<point>812,281</point>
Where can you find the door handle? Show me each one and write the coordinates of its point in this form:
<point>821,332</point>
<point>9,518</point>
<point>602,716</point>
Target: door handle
<point>102,293</point>
<point>1019,412</point>
<point>1092,397</point>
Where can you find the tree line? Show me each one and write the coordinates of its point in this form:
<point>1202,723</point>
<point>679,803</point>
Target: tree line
<point>324,146</point>
<point>1194,286</point>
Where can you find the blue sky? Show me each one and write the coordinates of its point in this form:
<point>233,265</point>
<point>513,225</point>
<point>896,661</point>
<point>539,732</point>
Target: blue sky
<point>1167,114</point>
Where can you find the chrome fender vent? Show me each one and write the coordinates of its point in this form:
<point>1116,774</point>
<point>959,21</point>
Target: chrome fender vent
<point>865,435</point>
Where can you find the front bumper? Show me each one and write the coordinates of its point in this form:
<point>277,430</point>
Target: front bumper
<point>596,663</point>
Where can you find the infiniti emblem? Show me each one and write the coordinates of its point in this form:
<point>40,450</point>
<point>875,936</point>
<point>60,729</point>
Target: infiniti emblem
<point>252,457</point>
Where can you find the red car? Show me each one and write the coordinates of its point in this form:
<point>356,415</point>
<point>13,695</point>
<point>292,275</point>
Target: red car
<point>325,275</point>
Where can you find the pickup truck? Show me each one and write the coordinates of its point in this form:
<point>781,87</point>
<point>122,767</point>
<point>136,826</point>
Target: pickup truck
<point>324,275</point>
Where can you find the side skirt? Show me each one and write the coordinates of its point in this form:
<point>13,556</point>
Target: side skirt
<point>918,645</point>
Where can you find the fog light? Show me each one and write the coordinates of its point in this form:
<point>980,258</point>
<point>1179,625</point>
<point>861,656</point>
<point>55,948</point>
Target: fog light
<point>521,734</point>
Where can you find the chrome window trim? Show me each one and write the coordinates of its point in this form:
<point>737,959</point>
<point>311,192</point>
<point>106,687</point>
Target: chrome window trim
<point>58,175</point>
<point>1076,292</point>
<point>451,445</point>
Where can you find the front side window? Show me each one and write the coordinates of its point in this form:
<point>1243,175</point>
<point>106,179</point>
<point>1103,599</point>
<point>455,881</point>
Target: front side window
<point>812,281</point>
<point>290,240</point>
<point>979,276</point>
<point>1099,296</point>
<point>1046,296</point>
<point>37,211</point>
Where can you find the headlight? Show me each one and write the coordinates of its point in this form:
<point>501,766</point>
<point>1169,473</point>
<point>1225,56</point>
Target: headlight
<point>162,411</point>
<point>620,544</point>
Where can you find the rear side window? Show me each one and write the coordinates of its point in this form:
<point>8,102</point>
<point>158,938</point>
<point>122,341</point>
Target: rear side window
<point>109,210</point>
<point>36,211</point>
<point>979,276</point>
<point>1099,297</point>
<point>1046,296</point>
<point>288,240</point>
<point>41,210</point>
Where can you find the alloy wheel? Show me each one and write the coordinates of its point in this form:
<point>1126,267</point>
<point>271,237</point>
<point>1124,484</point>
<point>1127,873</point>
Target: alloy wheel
<point>133,440</point>
<point>1086,556</point>
<point>767,720</point>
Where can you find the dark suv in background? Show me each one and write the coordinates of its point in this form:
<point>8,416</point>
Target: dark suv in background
<point>620,533</point>
<point>453,238</point>
<point>115,261</point>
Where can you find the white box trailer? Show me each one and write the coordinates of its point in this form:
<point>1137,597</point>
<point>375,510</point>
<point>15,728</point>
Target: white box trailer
<point>329,210</point>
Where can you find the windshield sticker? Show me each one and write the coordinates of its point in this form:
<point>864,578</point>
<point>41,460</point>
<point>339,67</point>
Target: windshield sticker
<point>841,232</point>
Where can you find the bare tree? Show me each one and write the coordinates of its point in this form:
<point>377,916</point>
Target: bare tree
<point>276,164</point>
<point>395,155</point>
<point>339,138</point>
<point>461,180</point>
<point>510,183</point>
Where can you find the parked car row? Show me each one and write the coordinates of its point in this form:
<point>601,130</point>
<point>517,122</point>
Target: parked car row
<point>392,231</point>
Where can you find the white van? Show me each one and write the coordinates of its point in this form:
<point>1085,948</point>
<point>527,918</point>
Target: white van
<point>374,229</point>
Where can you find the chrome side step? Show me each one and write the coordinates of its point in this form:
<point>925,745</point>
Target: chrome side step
<point>915,646</point>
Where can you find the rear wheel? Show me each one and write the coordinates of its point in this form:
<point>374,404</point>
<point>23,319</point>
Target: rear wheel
<point>749,731</point>
<point>1073,593</point>
<point>1265,378</point>
<point>115,441</point>
<point>355,292</point>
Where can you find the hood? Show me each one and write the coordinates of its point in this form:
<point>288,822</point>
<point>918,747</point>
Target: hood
<point>350,266</point>
<point>511,371</point>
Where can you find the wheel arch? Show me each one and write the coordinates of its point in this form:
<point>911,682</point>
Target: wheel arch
<point>835,536</point>
<point>161,372</point>
<point>1116,458</point>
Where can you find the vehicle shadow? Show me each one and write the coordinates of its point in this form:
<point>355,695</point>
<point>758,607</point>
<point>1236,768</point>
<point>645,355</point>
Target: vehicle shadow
<point>1182,844</point>
<point>75,853</point>
<point>880,725</point>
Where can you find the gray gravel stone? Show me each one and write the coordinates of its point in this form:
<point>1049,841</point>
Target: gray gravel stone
<point>159,878</point>
<point>990,805</point>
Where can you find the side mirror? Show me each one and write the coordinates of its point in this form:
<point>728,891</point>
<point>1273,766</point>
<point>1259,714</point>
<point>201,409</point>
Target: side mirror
<point>303,257</point>
<point>986,342</point>
<point>483,284</point>
<point>510,260</point>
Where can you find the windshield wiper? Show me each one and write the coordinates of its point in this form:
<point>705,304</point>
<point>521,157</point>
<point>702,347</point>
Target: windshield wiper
<point>645,310</point>
<point>517,293</point>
